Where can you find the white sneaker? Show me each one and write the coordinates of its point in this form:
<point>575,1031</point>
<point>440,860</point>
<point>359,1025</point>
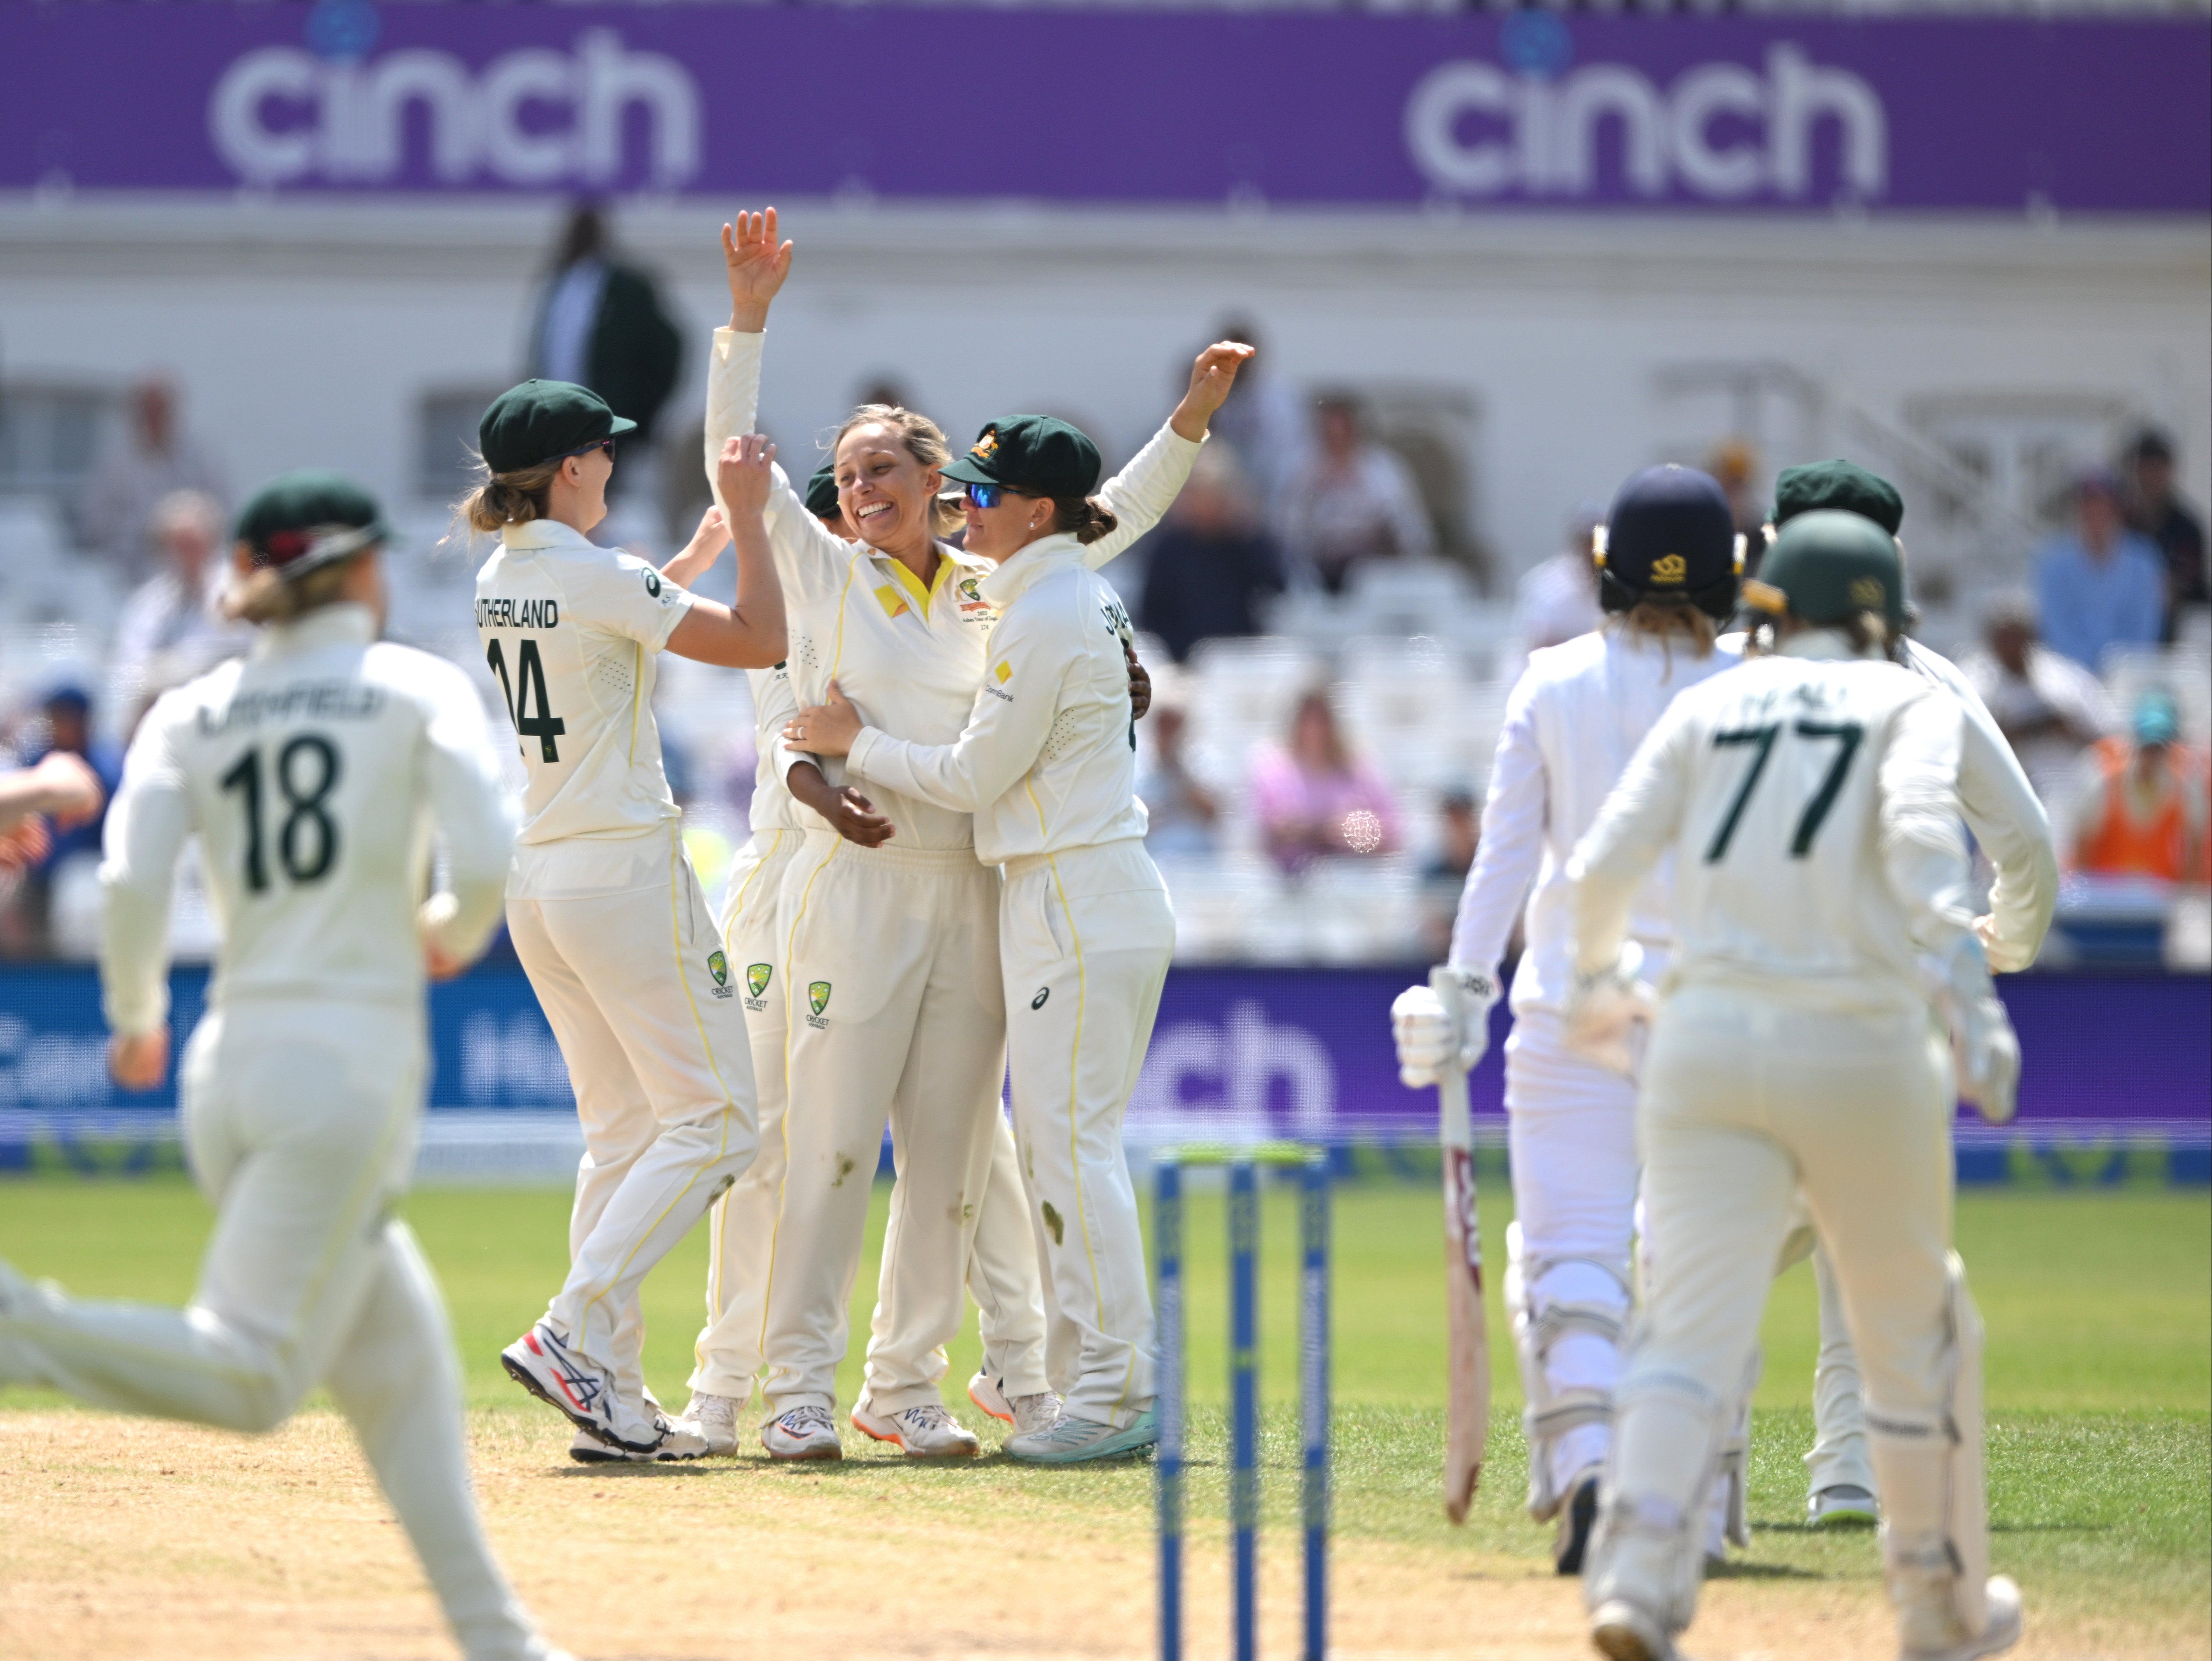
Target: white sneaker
<point>1621,1632</point>
<point>802,1433</point>
<point>1069,1440</point>
<point>2002,1633</point>
<point>575,1385</point>
<point>675,1441</point>
<point>1845,1505</point>
<point>927,1432</point>
<point>715,1418</point>
<point>1028,1415</point>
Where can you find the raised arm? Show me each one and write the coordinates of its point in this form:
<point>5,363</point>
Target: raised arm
<point>1140,495</point>
<point>61,787</point>
<point>750,634</point>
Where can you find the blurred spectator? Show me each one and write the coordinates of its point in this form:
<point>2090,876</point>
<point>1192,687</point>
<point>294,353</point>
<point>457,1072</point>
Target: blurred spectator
<point>1352,500</point>
<point>1314,799</point>
<point>601,323</point>
<point>1211,562</point>
<point>39,803</point>
<point>2049,708</point>
<point>2157,513</point>
<point>1262,422</point>
<point>1459,825</point>
<point>152,457</point>
<point>1557,599</point>
<point>2143,815</point>
<point>1735,463</point>
<point>2102,585</point>
<point>170,629</point>
<point>1182,815</point>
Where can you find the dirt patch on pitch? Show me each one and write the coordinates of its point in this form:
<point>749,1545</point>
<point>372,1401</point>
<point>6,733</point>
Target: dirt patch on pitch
<point>123,1539</point>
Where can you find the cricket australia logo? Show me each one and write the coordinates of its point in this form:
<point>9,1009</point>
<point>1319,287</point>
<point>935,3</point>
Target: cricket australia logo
<point>718,967</point>
<point>757,976</point>
<point>817,1000</point>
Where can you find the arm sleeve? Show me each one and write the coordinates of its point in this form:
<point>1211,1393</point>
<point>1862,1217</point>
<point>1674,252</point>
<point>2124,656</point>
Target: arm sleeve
<point>146,825</point>
<point>808,554</point>
<point>1922,852</point>
<point>1142,492</point>
<point>1512,843</point>
<point>471,807</point>
<point>775,704</point>
<point>1007,730</point>
<point>629,598</point>
<point>1640,820</point>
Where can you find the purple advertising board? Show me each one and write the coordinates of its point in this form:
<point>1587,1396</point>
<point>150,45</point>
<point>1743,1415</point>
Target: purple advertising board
<point>1531,109</point>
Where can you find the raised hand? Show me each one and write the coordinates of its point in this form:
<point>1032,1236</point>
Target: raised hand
<point>1211,378</point>
<point>755,265</point>
<point>71,792</point>
<point>742,474</point>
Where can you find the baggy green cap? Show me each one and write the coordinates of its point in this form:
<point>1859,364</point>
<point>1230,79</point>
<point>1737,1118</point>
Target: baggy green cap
<point>821,491</point>
<point>1828,566</point>
<point>302,521</point>
<point>1837,484</point>
<point>542,419</point>
<point>1038,455</point>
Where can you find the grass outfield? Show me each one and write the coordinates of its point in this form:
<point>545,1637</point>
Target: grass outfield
<point>2099,1394</point>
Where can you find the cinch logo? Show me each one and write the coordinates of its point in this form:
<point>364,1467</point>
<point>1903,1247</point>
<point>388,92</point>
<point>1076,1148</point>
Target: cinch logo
<point>281,115</point>
<point>1721,131</point>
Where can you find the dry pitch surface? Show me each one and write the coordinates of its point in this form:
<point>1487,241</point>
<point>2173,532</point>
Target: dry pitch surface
<point>128,1539</point>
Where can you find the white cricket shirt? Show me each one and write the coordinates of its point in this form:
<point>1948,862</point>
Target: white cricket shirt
<point>1810,801</point>
<point>1572,722</point>
<point>772,808</point>
<point>314,771</point>
<point>571,633</point>
<point>1047,759</point>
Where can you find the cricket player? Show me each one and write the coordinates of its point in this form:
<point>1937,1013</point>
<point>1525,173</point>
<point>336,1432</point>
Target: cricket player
<point>1002,1265</point>
<point>602,904</point>
<point>1046,763</point>
<point>1668,583</point>
<point>315,772</point>
<point>1824,938</point>
<point>891,962</point>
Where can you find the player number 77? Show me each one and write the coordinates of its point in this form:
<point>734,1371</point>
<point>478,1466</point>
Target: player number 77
<point>1467,1425</point>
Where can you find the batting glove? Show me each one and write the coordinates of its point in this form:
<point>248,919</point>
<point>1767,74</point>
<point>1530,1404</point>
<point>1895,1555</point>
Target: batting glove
<point>1429,1041</point>
<point>1605,1009</point>
<point>1984,1047</point>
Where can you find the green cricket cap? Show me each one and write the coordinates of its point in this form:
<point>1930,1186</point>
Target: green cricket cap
<point>300,521</point>
<point>1038,455</point>
<point>542,419</point>
<point>1838,484</point>
<point>1828,565</point>
<point>821,491</point>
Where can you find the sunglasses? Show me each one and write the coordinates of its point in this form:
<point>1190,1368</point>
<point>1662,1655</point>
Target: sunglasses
<point>990,495</point>
<point>606,444</point>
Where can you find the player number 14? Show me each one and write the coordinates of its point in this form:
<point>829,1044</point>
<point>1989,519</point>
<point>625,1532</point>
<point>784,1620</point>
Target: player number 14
<point>528,689</point>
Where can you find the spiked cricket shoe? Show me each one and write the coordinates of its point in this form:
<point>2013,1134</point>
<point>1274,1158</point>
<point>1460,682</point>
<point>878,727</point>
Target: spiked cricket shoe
<point>1028,1415</point>
<point>926,1432</point>
<point>1069,1440</point>
<point>1999,1634</point>
<point>805,1432</point>
<point>573,1385</point>
<point>1577,1517</point>
<point>1621,1632</point>
<point>714,1418</point>
<point>1844,1507</point>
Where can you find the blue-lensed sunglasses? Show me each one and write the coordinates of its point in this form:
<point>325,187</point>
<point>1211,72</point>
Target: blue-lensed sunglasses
<point>987,495</point>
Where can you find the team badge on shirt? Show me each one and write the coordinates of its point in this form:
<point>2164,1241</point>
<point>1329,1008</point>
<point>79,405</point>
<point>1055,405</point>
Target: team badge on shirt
<point>757,976</point>
<point>718,967</point>
<point>817,1000</point>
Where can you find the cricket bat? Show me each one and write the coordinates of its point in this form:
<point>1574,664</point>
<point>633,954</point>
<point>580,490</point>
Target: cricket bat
<point>1468,1418</point>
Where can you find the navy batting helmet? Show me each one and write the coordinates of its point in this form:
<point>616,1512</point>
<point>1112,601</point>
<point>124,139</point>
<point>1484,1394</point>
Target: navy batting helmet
<point>1670,536</point>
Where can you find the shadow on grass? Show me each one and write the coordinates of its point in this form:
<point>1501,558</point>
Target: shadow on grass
<point>1742,1570</point>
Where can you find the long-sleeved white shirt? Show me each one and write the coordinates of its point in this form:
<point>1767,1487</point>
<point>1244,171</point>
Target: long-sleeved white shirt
<point>314,772</point>
<point>772,808</point>
<point>1573,722</point>
<point>1810,801</point>
<point>1047,760</point>
<point>911,659</point>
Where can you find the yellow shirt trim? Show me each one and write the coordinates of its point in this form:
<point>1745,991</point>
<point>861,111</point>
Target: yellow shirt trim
<point>907,580</point>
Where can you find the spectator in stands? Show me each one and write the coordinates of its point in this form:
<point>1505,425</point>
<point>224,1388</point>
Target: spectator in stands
<point>2143,815</point>
<point>2157,514</point>
<point>1211,562</point>
<point>1315,799</point>
<point>601,323</point>
<point>1352,500</point>
<point>171,628</point>
<point>149,459</point>
<point>1733,464</point>
<point>2103,586</point>
<point>1557,599</point>
<point>1182,817</point>
<point>1442,879</point>
<point>1262,422</point>
<point>2049,708</point>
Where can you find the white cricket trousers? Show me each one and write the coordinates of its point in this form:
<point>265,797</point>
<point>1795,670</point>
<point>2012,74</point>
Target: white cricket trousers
<point>300,1119</point>
<point>1745,1099</point>
<point>645,1006</point>
<point>894,1013</point>
<point>1002,1267</point>
<point>1085,939</point>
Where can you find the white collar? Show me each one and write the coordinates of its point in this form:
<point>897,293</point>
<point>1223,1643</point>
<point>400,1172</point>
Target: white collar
<point>537,533</point>
<point>1827,644</point>
<point>1037,559</point>
<point>343,624</point>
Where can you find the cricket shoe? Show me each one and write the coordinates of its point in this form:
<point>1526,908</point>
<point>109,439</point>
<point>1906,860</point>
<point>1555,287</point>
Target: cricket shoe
<point>573,1384</point>
<point>1028,1415</point>
<point>677,1441</point>
<point>806,1433</point>
<point>1844,1507</point>
<point>1069,1440</point>
<point>1577,1517</point>
<point>1999,1634</point>
<point>1621,1632</point>
<point>715,1418</point>
<point>927,1432</point>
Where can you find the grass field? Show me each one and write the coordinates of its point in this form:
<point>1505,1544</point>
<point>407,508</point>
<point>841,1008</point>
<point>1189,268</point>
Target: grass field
<point>2100,1391</point>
